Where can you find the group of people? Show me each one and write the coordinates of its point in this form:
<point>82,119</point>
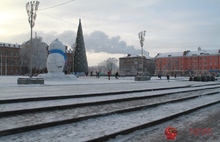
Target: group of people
<point>168,76</point>
<point>109,74</point>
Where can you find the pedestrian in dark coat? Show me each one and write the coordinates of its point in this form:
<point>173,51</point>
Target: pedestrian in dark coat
<point>168,77</point>
<point>116,75</point>
<point>159,75</point>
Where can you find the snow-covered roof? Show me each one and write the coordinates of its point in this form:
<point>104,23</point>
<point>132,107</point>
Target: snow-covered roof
<point>171,54</point>
<point>188,53</point>
<point>147,56</point>
<point>9,44</point>
<point>202,52</point>
<point>135,56</point>
<point>69,51</point>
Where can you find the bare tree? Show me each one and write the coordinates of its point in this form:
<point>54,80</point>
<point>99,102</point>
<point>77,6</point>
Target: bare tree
<point>111,64</point>
<point>39,54</point>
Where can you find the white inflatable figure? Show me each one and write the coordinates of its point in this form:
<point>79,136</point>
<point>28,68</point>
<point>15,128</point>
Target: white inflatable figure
<point>55,64</point>
<point>56,58</point>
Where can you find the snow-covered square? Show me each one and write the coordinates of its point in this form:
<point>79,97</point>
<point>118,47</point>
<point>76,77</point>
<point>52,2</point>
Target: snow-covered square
<point>89,129</point>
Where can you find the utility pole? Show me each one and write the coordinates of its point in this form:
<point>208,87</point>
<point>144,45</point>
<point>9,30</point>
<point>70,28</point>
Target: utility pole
<point>6,66</point>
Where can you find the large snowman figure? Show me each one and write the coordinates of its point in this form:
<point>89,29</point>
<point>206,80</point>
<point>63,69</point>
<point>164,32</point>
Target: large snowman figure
<point>56,58</point>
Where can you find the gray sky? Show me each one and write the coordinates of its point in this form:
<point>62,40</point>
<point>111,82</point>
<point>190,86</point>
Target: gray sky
<point>112,26</point>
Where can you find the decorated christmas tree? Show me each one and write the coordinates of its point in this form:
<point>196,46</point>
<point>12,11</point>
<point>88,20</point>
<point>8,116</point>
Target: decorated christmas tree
<point>79,55</point>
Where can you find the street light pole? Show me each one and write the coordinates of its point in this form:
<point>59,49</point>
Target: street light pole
<point>141,36</point>
<point>1,64</point>
<point>6,64</point>
<point>31,8</point>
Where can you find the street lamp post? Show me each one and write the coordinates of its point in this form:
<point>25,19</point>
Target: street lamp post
<point>31,8</point>
<point>141,36</point>
<point>1,64</point>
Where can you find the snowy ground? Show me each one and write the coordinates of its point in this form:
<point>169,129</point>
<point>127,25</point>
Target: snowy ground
<point>9,81</point>
<point>84,85</point>
<point>201,119</point>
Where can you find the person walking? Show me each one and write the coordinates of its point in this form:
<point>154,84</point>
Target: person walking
<point>98,74</point>
<point>168,77</point>
<point>109,74</point>
<point>116,75</point>
<point>159,75</point>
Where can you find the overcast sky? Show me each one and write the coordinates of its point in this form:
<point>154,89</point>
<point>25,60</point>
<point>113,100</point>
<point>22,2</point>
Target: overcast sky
<point>112,26</point>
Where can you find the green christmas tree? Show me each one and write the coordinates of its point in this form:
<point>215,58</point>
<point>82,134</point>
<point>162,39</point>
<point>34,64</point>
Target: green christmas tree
<point>79,55</point>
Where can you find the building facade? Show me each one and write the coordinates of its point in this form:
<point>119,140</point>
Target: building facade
<point>132,65</point>
<point>10,60</point>
<point>188,63</point>
<point>69,62</point>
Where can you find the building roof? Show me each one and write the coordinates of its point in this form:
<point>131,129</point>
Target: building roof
<point>202,52</point>
<point>171,54</point>
<point>135,56</point>
<point>188,53</point>
<point>9,44</point>
<point>69,51</point>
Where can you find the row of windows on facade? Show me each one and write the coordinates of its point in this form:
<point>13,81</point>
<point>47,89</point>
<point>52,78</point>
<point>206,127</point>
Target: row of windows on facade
<point>16,53</point>
<point>189,68</point>
<point>180,59</point>
<point>9,45</point>
<point>10,71</point>
<point>192,58</point>
<point>164,64</point>
<point>201,63</point>
<point>9,53</point>
<point>134,62</point>
<point>9,62</point>
<point>205,58</point>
